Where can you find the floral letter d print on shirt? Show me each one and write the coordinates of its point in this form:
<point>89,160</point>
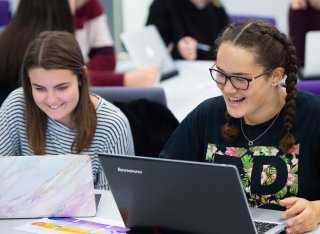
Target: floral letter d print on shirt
<point>267,174</point>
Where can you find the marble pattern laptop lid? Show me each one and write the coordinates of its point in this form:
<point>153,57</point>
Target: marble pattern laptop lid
<point>46,186</point>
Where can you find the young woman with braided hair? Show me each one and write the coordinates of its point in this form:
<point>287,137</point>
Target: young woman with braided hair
<point>268,130</point>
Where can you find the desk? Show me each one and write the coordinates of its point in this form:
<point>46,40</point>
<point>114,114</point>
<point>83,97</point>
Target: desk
<point>192,86</point>
<point>107,209</point>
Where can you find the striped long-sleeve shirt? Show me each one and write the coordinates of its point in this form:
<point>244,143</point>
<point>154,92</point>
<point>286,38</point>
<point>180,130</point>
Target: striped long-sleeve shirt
<point>113,134</point>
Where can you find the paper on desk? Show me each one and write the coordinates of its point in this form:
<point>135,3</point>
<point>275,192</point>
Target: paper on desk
<point>73,225</point>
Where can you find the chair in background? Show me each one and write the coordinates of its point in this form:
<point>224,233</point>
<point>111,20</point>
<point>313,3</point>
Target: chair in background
<point>236,18</point>
<point>311,86</point>
<point>128,94</point>
<point>5,13</point>
<point>151,122</point>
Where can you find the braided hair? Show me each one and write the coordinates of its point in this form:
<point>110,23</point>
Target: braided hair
<point>271,49</point>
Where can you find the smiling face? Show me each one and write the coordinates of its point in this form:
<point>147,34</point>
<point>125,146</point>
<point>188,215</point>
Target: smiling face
<point>55,92</point>
<point>259,98</point>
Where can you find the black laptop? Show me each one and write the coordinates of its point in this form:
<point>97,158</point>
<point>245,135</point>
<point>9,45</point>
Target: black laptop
<point>180,196</point>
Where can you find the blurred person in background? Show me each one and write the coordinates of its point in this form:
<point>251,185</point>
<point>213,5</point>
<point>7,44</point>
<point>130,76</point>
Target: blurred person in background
<point>93,35</point>
<point>304,16</point>
<point>189,27</point>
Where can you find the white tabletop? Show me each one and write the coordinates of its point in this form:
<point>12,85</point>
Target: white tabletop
<point>192,86</point>
<point>107,209</point>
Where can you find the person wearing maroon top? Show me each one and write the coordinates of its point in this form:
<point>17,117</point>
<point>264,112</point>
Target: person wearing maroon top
<point>304,16</point>
<point>94,38</point>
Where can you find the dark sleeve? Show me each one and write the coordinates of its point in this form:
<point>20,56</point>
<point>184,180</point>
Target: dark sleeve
<point>224,18</point>
<point>190,139</point>
<point>101,67</point>
<point>102,58</point>
<point>184,143</point>
<point>106,78</point>
<point>90,10</point>
<point>159,16</point>
<point>221,20</point>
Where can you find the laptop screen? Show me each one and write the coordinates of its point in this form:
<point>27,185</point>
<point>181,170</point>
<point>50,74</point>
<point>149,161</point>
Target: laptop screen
<point>177,195</point>
<point>146,47</point>
<point>46,186</point>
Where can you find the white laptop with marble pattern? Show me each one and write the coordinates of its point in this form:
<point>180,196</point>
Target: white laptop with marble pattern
<point>46,186</point>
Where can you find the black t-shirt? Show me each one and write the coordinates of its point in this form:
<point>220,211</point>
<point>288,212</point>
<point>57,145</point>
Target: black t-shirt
<point>179,18</point>
<point>268,175</point>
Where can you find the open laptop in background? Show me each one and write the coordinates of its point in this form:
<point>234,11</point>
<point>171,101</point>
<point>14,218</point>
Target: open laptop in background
<point>146,47</point>
<point>183,196</point>
<point>311,68</point>
<point>46,186</point>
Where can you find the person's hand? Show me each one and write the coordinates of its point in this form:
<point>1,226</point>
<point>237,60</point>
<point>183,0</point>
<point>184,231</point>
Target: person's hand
<point>187,47</point>
<point>302,215</point>
<point>142,77</point>
<point>298,4</point>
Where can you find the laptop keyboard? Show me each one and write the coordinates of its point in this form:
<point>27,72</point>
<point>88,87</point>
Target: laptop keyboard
<point>263,227</point>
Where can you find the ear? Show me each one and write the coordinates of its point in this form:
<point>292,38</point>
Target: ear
<point>85,72</point>
<point>277,75</point>
<point>85,69</point>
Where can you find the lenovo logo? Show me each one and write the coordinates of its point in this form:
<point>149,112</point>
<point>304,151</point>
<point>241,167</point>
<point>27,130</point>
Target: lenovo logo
<point>132,171</point>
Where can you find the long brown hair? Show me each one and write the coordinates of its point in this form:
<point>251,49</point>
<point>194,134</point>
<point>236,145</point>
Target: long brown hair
<point>271,49</point>
<point>57,50</point>
<point>31,18</point>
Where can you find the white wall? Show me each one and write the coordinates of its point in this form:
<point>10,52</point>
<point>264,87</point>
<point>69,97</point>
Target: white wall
<point>274,8</point>
<point>135,12</point>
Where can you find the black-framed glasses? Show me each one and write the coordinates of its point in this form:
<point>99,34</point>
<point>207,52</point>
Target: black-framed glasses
<point>237,82</point>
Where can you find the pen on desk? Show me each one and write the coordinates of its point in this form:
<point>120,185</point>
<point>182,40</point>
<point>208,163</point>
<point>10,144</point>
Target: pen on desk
<point>203,47</point>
